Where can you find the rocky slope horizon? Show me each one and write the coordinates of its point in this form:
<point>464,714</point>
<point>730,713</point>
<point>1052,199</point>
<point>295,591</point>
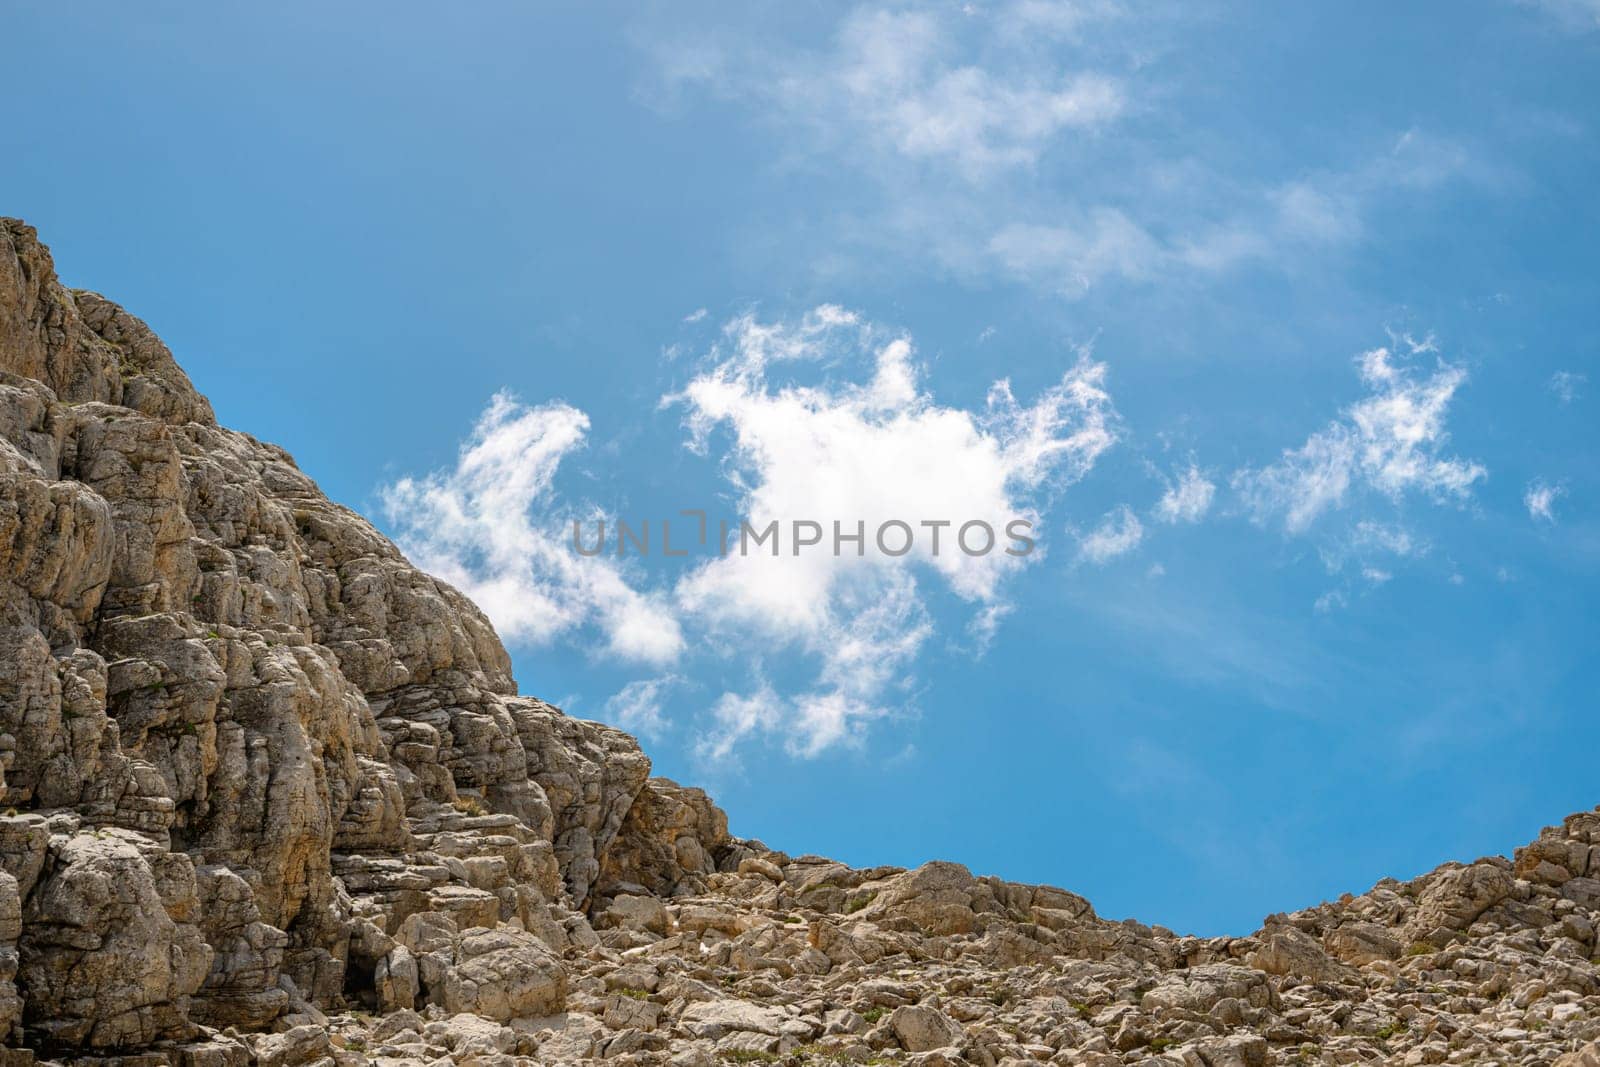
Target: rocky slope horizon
<point>270,796</point>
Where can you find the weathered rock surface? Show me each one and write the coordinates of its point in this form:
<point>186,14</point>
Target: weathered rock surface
<point>270,796</point>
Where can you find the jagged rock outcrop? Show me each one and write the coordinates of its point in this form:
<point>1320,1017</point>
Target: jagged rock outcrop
<point>270,796</point>
<point>243,741</point>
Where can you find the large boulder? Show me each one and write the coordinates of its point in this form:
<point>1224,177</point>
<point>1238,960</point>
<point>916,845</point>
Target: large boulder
<point>504,974</point>
<point>102,964</point>
<point>1455,898</point>
<point>920,1028</point>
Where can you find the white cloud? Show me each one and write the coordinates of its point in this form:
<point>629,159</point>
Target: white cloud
<point>1567,385</point>
<point>1282,223</point>
<point>490,527</point>
<point>1031,21</point>
<point>735,717</point>
<point>1390,442</point>
<point>1373,547</point>
<point>1118,534</point>
<point>696,315</point>
<point>1188,499</point>
<point>1395,540</point>
<point>637,706</point>
<point>897,81</point>
<point>1034,140</point>
<point>1540,500</point>
<point>1332,600</point>
<point>868,452</point>
<point>1072,259</point>
<point>985,626</point>
<point>1210,223</point>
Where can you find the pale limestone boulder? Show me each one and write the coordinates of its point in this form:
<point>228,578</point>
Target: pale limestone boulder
<point>296,1047</point>
<point>1287,951</point>
<point>936,898</point>
<point>630,1013</point>
<point>1455,898</point>
<point>1360,943</point>
<point>1234,1050</point>
<point>504,974</point>
<point>629,911</point>
<point>1197,990</point>
<point>920,1028</point>
<point>761,867</point>
<point>713,1019</point>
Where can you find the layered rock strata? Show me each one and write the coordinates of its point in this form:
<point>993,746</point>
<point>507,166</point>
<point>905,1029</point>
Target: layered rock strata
<point>270,796</point>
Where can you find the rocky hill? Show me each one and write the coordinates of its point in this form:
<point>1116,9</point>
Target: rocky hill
<point>271,796</point>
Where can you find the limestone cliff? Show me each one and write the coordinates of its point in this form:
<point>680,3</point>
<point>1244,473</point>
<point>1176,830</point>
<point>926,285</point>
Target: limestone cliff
<point>244,741</point>
<point>270,795</point>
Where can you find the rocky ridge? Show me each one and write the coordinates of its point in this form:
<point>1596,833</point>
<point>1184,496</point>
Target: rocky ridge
<point>270,796</point>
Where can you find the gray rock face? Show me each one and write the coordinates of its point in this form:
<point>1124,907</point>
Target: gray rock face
<point>242,740</point>
<point>270,796</point>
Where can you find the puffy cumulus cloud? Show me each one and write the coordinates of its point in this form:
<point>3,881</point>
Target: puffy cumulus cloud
<point>857,456</point>
<point>491,527</point>
<point>1540,500</point>
<point>1118,534</point>
<point>1188,498</point>
<point>1392,442</point>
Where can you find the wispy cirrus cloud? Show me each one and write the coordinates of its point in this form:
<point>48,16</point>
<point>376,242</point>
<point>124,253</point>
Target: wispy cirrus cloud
<point>492,526</point>
<point>737,716</point>
<point>1188,497</point>
<point>1568,385</point>
<point>1117,534</point>
<point>639,705</point>
<point>897,81</point>
<point>1033,140</point>
<point>1392,442</point>
<point>1371,550</point>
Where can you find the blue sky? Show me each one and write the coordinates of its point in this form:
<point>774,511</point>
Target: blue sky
<point>1294,304</point>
